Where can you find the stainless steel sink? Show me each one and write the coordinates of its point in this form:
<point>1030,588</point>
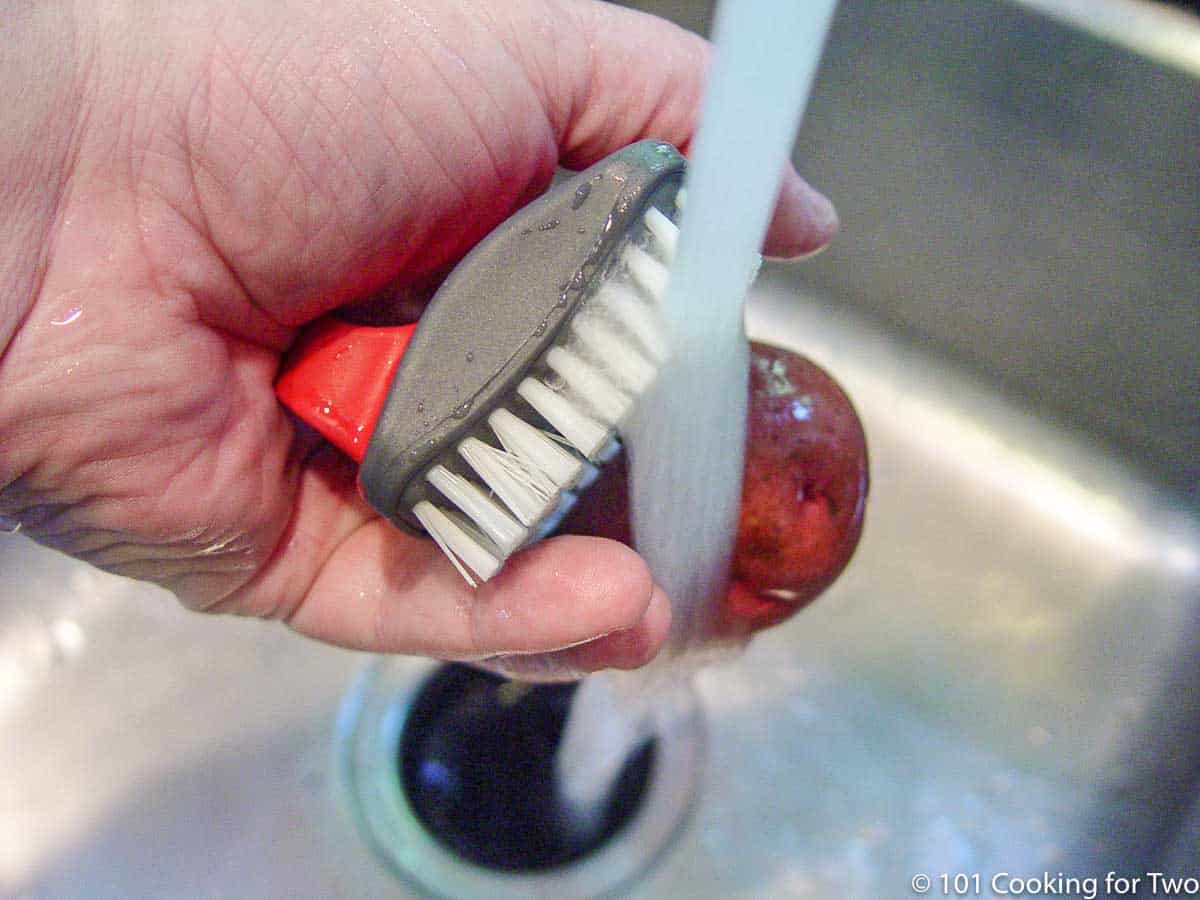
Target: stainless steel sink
<point>1007,679</point>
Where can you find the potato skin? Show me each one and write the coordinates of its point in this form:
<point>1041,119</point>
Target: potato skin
<point>804,491</point>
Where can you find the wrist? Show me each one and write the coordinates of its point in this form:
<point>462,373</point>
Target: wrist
<point>40,56</point>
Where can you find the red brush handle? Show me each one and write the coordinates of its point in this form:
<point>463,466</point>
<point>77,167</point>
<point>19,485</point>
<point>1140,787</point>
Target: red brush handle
<point>336,378</point>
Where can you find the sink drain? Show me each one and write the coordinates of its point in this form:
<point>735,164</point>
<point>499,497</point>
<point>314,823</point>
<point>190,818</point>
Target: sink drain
<point>477,764</point>
<point>448,772</point>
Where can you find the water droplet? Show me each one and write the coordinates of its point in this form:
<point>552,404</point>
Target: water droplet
<point>541,329</point>
<point>470,357</point>
<point>420,407</point>
<point>462,409</point>
<point>548,226</point>
<point>68,317</point>
<point>69,638</point>
<point>1038,736</point>
<point>526,231</point>
<point>581,231</point>
<point>581,195</point>
<point>325,410</point>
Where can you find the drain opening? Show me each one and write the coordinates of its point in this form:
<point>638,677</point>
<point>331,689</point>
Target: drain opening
<point>477,764</point>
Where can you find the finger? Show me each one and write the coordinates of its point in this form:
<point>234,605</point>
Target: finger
<point>386,592</point>
<point>643,77</point>
<point>343,575</point>
<point>627,649</point>
<point>804,223</point>
<point>321,191</point>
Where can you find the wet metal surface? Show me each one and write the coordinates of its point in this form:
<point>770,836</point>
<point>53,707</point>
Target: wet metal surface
<point>995,682</point>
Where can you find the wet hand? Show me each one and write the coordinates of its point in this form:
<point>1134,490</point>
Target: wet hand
<point>192,184</point>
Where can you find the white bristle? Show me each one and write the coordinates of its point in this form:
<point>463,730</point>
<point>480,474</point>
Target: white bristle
<point>610,404</point>
<point>579,429</point>
<point>610,358</point>
<point>493,521</point>
<point>680,199</point>
<point>648,273</point>
<point>664,231</point>
<point>525,489</point>
<point>538,449</point>
<point>635,316</point>
<point>622,361</point>
<point>458,545</point>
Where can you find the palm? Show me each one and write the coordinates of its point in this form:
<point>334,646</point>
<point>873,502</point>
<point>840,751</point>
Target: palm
<point>264,182</point>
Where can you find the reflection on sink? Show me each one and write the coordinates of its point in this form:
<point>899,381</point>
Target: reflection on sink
<point>1004,680</point>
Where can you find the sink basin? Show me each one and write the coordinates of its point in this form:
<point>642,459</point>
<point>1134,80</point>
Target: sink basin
<point>1007,678</point>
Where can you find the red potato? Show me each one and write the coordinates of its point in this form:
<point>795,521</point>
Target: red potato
<point>804,492</point>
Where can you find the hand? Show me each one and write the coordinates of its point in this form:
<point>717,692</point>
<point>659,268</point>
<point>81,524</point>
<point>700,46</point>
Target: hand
<point>190,184</point>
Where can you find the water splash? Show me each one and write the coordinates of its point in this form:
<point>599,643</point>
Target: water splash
<point>68,317</point>
<point>685,503</point>
<point>686,443</point>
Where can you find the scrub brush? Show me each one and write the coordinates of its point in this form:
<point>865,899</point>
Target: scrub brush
<point>478,425</point>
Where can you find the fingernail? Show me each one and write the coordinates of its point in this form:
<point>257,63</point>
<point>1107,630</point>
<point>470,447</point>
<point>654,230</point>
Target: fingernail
<point>629,648</point>
<point>805,222</point>
<point>542,668</point>
<point>632,647</point>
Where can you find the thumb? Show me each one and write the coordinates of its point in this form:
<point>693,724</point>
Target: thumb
<point>643,77</point>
